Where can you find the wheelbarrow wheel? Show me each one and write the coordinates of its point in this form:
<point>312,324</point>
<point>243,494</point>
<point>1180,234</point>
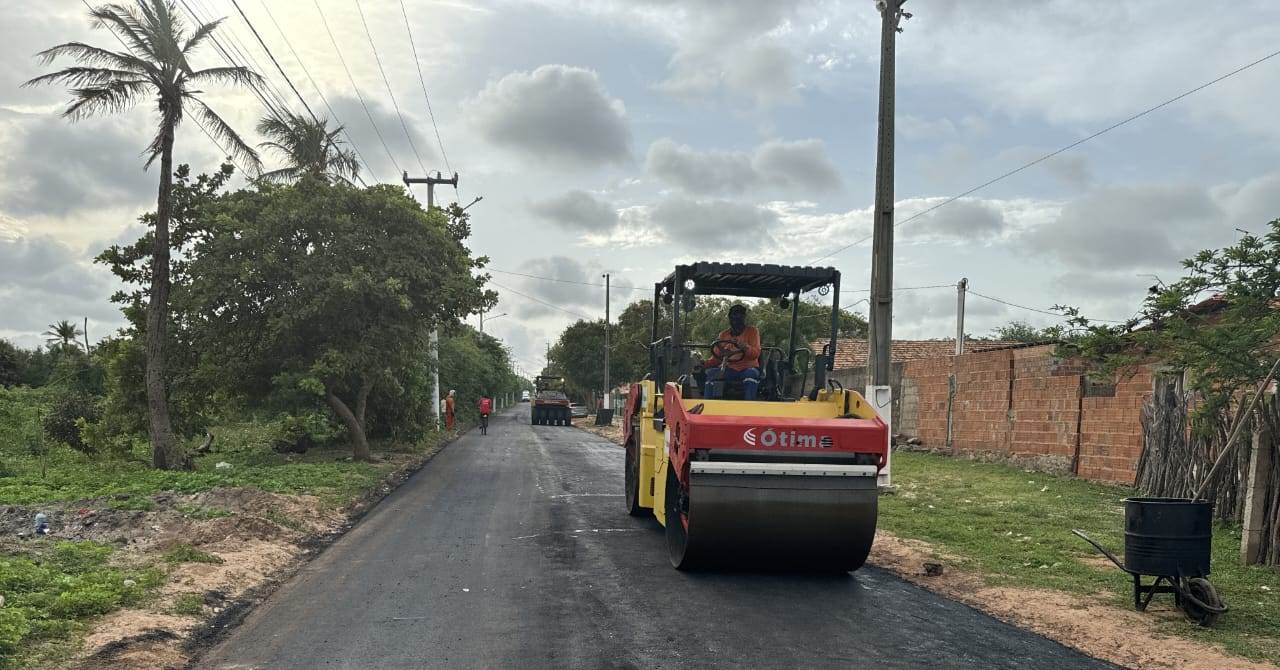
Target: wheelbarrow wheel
<point>1202,592</point>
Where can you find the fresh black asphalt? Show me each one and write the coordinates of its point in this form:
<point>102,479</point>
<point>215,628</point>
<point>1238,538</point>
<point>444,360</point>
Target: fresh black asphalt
<point>513,550</point>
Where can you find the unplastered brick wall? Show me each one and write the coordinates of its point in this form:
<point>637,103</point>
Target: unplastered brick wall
<point>1027,406</point>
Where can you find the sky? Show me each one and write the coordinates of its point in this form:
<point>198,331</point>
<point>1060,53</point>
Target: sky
<point>625,136</point>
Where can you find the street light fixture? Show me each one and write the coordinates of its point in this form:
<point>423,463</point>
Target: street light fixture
<point>490,318</point>
<point>478,199</point>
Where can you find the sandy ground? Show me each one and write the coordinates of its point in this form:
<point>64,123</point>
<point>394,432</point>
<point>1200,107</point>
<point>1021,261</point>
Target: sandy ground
<point>1097,628</point>
<point>264,539</point>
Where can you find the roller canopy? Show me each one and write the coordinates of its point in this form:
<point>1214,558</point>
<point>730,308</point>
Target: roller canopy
<point>753,280</point>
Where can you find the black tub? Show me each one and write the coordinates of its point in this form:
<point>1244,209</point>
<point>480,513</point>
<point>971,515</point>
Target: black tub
<point>1167,536</point>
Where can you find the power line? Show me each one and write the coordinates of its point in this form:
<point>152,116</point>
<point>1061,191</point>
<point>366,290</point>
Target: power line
<point>260,89</point>
<point>323,99</point>
<point>423,80</point>
<point>378,59</point>
<point>543,302</point>
<point>1069,147</point>
<point>563,281</point>
<point>199,125</point>
<point>359,96</point>
<point>1031,309</point>
<point>287,80</point>
<point>902,288</point>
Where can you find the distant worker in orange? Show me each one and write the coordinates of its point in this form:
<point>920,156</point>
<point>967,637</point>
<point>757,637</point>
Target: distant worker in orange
<point>448,410</point>
<point>739,348</point>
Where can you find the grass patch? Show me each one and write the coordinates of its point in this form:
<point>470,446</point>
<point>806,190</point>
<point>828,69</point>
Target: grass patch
<point>202,513</point>
<point>54,588</point>
<point>140,503</point>
<point>185,553</point>
<point>189,604</point>
<point>1015,527</point>
<point>283,519</point>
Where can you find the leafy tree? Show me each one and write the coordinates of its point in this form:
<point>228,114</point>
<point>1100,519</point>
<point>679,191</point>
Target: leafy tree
<point>10,370</point>
<point>308,148</point>
<point>154,64</point>
<point>63,333</point>
<point>1225,344</point>
<point>578,356</point>
<point>1022,331</point>
<point>323,288</point>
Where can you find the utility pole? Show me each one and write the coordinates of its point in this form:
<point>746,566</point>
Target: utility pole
<point>607,403</point>
<point>435,333</point>
<point>960,293</point>
<point>880,330</point>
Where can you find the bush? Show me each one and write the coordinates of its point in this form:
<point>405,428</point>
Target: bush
<point>185,553</point>
<point>13,627</point>
<point>295,434</point>
<point>64,417</point>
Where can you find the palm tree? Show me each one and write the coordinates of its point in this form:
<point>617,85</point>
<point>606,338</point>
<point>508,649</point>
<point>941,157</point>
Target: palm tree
<point>153,65</point>
<point>63,333</point>
<point>307,147</point>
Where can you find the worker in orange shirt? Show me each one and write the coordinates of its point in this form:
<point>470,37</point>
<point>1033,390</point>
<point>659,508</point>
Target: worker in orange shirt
<point>742,357</point>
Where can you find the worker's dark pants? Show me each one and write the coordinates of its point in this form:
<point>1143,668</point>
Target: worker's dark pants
<point>749,377</point>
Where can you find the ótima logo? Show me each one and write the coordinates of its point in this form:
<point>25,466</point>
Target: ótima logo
<point>769,438</point>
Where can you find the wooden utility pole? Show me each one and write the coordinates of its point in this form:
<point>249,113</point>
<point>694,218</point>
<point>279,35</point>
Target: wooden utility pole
<point>880,332</point>
<point>435,333</point>
<point>607,388</point>
<point>1255,496</point>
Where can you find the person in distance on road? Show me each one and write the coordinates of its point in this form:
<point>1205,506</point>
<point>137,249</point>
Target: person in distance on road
<point>486,406</point>
<point>746,367</point>
<point>449,409</point>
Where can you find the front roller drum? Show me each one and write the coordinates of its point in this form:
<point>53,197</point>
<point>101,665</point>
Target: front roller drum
<point>772,516</point>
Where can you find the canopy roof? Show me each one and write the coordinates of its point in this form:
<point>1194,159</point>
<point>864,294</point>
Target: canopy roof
<point>754,280</point>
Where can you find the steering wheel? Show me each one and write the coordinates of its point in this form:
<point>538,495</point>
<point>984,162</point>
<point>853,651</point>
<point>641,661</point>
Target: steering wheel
<point>734,356</point>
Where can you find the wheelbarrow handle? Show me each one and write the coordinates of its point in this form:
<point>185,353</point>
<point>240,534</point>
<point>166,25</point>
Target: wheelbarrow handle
<point>1102,549</point>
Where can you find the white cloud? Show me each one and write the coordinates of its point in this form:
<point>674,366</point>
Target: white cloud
<point>554,113</point>
<point>777,165</point>
<point>576,210</point>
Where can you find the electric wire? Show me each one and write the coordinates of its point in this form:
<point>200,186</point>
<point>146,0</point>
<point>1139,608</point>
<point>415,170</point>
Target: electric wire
<point>262,89</point>
<point>565,281</point>
<point>1031,309</point>
<point>333,115</point>
<point>1068,147</point>
<point>378,59</point>
<point>199,125</point>
<point>287,80</point>
<point>542,302</point>
<point>423,80</point>
<point>352,79</point>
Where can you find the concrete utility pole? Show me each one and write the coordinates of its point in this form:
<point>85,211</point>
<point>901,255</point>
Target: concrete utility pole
<point>880,332</point>
<point>435,333</point>
<point>960,292</point>
<point>880,326</point>
<point>607,394</point>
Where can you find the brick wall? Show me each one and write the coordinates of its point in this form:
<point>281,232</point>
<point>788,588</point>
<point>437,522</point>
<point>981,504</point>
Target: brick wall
<point>1024,405</point>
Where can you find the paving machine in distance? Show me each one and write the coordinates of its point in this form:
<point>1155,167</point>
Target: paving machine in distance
<point>787,480</point>
<point>550,405</point>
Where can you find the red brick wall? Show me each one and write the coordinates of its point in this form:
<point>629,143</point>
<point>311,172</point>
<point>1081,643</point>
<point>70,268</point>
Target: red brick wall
<point>1025,404</point>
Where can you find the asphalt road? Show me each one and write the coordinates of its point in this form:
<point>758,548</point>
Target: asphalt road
<point>513,550</point>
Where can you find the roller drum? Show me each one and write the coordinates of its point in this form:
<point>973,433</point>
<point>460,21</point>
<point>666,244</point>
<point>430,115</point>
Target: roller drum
<point>776,516</point>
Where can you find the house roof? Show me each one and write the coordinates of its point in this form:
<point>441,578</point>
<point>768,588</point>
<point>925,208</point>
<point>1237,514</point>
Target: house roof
<point>852,353</point>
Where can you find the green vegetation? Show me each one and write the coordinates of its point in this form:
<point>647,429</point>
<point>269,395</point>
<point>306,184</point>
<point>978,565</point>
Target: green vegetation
<point>189,604</point>
<point>1015,527</point>
<point>51,590</point>
<point>185,553</point>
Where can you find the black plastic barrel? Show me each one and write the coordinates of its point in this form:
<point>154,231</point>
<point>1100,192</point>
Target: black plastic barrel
<point>1167,536</point>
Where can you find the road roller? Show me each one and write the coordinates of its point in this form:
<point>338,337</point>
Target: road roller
<point>783,480</point>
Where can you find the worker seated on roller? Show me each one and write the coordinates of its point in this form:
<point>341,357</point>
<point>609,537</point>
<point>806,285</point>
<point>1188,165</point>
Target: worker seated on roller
<point>735,356</point>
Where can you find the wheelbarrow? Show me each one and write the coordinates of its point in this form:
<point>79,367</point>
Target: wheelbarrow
<point>1169,539</point>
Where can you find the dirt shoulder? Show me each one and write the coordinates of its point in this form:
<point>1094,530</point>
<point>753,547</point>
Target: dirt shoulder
<point>1094,624</point>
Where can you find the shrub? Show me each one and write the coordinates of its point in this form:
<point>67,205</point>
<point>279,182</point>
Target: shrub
<point>13,627</point>
<point>191,604</point>
<point>64,417</point>
<point>185,553</point>
<point>80,557</point>
<point>87,598</point>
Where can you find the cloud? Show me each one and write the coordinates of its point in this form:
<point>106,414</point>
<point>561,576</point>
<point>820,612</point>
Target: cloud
<point>42,280</point>
<point>577,211</point>
<point>56,168</point>
<point>1140,227</point>
<point>964,219</point>
<point>570,288</point>
<point>554,113</point>
<point>731,47</point>
<point>778,164</point>
<point>370,140</point>
<point>713,225</point>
